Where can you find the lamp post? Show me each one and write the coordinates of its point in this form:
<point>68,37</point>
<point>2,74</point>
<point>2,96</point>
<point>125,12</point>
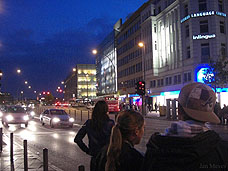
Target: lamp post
<point>142,45</point>
<point>94,51</point>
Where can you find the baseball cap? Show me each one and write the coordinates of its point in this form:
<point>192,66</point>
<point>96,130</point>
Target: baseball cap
<point>198,101</point>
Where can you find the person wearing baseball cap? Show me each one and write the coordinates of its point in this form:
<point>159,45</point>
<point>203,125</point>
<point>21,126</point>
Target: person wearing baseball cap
<point>189,144</point>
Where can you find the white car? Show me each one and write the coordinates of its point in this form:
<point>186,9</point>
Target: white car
<point>56,117</point>
<point>15,115</point>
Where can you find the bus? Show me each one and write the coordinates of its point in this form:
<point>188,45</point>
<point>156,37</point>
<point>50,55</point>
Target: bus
<point>113,104</point>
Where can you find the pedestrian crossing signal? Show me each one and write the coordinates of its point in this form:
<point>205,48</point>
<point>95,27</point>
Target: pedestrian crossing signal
<point>140,88</point>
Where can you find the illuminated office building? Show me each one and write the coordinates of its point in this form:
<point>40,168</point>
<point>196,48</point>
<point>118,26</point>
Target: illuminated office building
<point>106,66</point>
<point>86,81</point>
<point>81,83</point>
<point>179,37</point>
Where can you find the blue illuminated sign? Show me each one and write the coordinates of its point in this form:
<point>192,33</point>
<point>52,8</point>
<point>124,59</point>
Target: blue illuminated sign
<point>201,74</point>
<point>203,14</point>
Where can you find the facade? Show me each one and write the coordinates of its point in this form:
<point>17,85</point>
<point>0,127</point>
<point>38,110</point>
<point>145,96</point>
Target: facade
<point>106,67</point>
<point>129,55</point>
<point>86,81</point>
<point>81,83</point>
<point>179,38</point>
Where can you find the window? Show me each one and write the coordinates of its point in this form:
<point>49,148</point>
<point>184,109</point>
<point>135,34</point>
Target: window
<point>162,82</point>
<point>202,5</point>
<point>188,52</point>
<point>155,45</point>
<point>223,49</point>
<point>186,10</point>
<point>153,83</point>
<point>204,26</point>
<point>175,79</point>
<point>155,30</point>
<point>179,78</point>
<point>170,80</point>
<point>222,27</point>
<point>187,30</point>
<point>220,5</point>
<point>187,77</point>
<point>205,52</point>
<point>159,9</point>
<point>167,81</point>
<point>159,83</point>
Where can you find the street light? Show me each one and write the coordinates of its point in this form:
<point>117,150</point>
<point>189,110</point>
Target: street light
<point>26,82</point>
<point>142,45</point>
<point>74,69</point>
<point>18,71</point>
<point>62,82</point>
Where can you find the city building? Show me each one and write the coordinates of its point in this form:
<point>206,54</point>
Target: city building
<point>106,67</point>
<point>81,84</point>
<point>179,39</point>
<point>129,56</point>
<point>6,98</point>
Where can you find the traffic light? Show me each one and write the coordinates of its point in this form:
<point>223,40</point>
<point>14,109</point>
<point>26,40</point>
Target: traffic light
<point>140,88</point>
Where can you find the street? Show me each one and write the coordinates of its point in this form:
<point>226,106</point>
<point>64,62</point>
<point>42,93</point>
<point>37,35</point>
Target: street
<point>63,153</point>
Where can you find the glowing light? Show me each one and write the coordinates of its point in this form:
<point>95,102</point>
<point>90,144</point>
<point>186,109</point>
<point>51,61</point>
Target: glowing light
<point>94,51</point>
<point>141,44</point>
<point>27,135</point>
<point>198,37</point>
<point>55,135</point>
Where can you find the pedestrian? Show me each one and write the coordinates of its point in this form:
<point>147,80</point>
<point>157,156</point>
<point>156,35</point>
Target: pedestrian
<point>120,154</point>
<point>155,107</point>
<point>98,129</point>
<point>189,144</point>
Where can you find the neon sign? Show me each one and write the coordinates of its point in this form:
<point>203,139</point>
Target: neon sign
<point>203,14</point>
<point>198,37</point>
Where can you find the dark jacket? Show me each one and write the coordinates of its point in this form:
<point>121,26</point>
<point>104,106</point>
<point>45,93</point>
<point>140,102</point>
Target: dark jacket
<point>204,151</point>
<point>130,159</point>
<point>97,139</point>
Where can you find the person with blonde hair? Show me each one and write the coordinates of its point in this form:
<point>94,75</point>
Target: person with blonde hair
<point>120,154</point>
<point>98,129</point>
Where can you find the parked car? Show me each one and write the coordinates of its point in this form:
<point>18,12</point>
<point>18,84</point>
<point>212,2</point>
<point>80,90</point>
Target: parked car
<point>14,115</point>
<point>56,117</point>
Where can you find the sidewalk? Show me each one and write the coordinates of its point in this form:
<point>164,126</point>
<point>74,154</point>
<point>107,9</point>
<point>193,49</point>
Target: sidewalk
<point>35,162</point>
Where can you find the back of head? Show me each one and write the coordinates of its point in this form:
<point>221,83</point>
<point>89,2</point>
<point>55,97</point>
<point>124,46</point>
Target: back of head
<point>198,101</point>
<point>99,114</point>
<point>127,122</point>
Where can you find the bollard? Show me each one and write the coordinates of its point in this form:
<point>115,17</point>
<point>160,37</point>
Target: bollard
<point>81,168</point>
<point>45,159</point>
<point>81,115</point>
<point>25,156</point>
<point>11,147</point>
<point>1,139</point>
<point>75,115</point>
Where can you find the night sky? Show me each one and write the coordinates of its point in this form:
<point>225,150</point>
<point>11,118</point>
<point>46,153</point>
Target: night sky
<point>47,38</point>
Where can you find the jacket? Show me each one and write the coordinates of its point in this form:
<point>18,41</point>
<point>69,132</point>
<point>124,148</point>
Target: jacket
<point>204,151</point>
<point>97,139</point>
<point>130,159</point>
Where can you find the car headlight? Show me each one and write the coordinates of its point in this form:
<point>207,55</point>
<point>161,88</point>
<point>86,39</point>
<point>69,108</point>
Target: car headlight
<point>56,119</point>
<point>26,118</point>
<point>71,119</point>
<point>32,113</point>
<point>9,117</point>
<point>1,114</point>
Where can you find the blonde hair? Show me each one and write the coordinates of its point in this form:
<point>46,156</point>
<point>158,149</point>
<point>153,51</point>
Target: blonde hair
<point>127,122</point>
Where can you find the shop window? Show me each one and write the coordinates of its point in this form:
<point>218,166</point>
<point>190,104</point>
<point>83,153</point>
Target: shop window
<point>204,26</point>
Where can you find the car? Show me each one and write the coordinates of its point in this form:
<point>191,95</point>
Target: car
<point>31,112</point>
<point>58,104</point>
<point>56,117</point>
<point>14,115</point>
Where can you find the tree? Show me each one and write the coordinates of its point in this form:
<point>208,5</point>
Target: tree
<point>216,75</point>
